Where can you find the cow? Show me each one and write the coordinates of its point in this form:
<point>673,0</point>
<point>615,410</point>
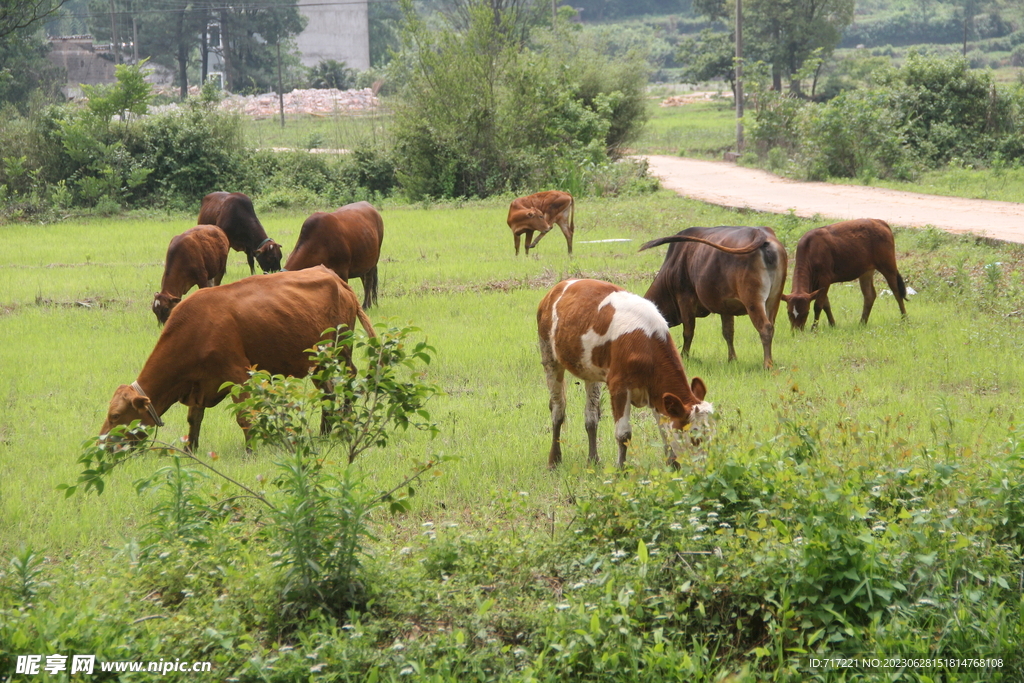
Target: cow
<point>234,213</point>
<point>196,257</point>
<point>603,334</point>
<point>841,252</point>
<point>217,334</point>
<point>346,241</point>
<point>537,213</point>
<point>725,270</point>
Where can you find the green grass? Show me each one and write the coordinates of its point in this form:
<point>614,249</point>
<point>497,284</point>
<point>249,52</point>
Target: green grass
<point>77,324</point>
<point>482,549</point>
<point>305,131</point>
<point>702,129</point>
<point>1002,184</point>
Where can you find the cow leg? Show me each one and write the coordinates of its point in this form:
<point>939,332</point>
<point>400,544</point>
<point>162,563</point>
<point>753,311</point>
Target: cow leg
<point>765,328</point>
<point>867,288</point>
<point>555,374</point>
<point>539,236</point>
<point>252,262</point>
<point>623,432</point>
<point>592,416</point>
<point>568,235</point>
<point>195,422</point>
<point>671,455</point>
<point>516,237</point>
<point>823,303</point>
<point>689,325</point>
<point>528,234</point>
<point>728,327</point>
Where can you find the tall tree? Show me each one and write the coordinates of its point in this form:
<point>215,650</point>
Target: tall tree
<point>785,33</point>
<point>16,15</point>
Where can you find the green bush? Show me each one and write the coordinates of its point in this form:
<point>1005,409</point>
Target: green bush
<point>482,114</point>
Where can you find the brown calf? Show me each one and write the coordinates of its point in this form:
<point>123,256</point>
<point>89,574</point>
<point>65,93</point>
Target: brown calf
<point>537,213</point>
<point>603,334</point>
<point>346,241</point>
<point>196,257</point>
<point>234,213</point>
<point>218,333</point>
<point>725,270</point>
<point>841,252</point>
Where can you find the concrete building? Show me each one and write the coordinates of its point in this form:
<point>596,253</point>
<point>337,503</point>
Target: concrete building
<point>338,31</point>
<point>84,62</point>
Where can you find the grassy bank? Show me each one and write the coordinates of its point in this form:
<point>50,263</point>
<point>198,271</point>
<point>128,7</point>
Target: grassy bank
<point>865,496</point>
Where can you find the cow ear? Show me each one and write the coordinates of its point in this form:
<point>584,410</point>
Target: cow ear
<point>785,297</point>
<point>140,403</point>
<point>674,406</point>
<point>698,388</point>
<point>812,295</point>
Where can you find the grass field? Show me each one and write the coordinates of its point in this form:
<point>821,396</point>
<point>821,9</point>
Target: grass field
<point>940,388</point>
<point>701,129</point>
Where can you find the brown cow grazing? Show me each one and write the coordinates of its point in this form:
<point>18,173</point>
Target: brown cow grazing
<point>537,213</point>
<point>197,256</point>
<point>841,252</point>
<point>725,270</point>
<point>603,334</point>
<point>234,213</point>
<point>346,241</point>
<point>218,333</point>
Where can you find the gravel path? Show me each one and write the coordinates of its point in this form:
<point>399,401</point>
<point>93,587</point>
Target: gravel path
<point>726,184</point>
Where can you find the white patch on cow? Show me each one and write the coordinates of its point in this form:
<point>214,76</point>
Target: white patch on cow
<point>554,311</point>
<point>700,412</point>
<point>792,313</point>
<point>622,425</point>
<point>632,312</point>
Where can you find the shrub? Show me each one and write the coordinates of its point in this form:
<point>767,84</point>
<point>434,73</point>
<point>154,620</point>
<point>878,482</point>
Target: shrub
<point>481,114</point>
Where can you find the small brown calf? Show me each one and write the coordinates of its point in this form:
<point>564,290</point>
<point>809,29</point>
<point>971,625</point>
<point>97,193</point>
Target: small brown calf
<point>841,252</point>
<point>603,334</point>
<point>537,213</point>
<point>196,257</point>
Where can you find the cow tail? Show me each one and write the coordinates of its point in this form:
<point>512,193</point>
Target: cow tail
<point>901,286</point>
<point>572,216</point>
<point>371,287</point>
<point>752,247</point>
<point>364,320</point>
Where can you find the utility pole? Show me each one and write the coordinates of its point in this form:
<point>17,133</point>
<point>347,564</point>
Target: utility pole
<point>280,82</point>
<point>113,34</point>
<point>739,76</point>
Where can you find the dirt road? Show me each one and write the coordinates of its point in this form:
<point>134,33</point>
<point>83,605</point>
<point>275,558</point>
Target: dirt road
<point>726,184</point>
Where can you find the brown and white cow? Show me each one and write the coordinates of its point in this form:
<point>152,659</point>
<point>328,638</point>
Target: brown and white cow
<point>217,334</point>
<point>603,334</point>
<point>346,241</point>
<point>196,257</point>
<point>841,252</point>
<point>725,270</point>
<point>234,213</point>
<point>538,213</point>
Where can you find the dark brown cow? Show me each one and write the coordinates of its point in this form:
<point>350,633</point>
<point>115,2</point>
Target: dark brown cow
<point>603,334</point>
<point>725,270</point>
<point>346,241</point>
<point>537,213</point>
<point>197,256</point>
<point>841,252</point>
<point>234,213</point>
<point>218,333</point>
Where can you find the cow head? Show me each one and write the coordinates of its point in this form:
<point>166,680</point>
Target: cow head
<point>798,306</point>
<point>680,413</point>
<point>268,255</point>
<point>126,406</point>
<point>163,304</point>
